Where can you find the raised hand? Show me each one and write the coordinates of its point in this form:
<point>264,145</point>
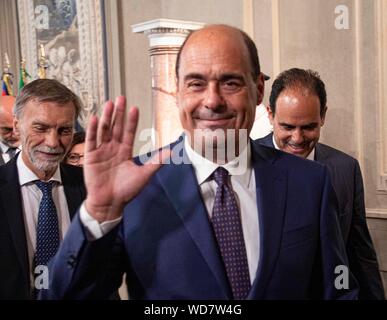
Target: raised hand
<point>112,178</point>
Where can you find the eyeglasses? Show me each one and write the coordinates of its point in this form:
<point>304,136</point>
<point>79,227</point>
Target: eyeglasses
<point>74,157</point>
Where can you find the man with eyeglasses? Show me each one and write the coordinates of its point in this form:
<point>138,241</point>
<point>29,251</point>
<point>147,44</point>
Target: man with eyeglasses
<point>9,140</point>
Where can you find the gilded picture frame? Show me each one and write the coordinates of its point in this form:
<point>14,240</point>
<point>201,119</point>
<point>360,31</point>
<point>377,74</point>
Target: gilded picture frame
<point>71,33</point>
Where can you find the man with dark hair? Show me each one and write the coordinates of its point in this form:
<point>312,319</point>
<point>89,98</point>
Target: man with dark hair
<point>297,112</point>
<point>38,195</point>
<point>9,141</point>
<point>222,225</point>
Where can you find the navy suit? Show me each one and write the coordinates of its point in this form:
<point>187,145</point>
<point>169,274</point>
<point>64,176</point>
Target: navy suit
<point>348,184</point>
<point>14,266</point>
<point>165,242</point>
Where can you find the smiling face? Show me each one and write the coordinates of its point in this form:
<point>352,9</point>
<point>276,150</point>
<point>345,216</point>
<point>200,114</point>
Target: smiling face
<point>46,130</point>
<point>216,90</point>
<point>297,121</point>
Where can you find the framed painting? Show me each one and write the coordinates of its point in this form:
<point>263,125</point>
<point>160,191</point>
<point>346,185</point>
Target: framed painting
<point>66,38</point>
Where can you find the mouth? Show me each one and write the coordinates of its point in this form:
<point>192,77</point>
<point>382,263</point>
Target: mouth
<point>297,149</point>
<point>49,155</point>
<point>12,141</point>
<point>216,122</point>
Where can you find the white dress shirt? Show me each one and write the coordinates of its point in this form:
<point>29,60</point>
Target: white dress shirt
<point>243,183</point>
<point>31,197</point>
<point>4,152</point>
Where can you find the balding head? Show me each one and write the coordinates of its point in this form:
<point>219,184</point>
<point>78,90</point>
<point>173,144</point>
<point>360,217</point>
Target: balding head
<point>216,32</point>
<point>7,135</point>
<point>6,104</point>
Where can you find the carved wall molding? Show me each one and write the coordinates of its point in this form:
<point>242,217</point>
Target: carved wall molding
<point>92,55</point>
<point>28,36</point>
<point>89,26</point>
<point>276,41</point>
<point>376,213</point>
<point>381,15</point>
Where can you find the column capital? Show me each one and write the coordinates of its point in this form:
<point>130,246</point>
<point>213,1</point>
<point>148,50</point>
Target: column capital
<point>166,32</point>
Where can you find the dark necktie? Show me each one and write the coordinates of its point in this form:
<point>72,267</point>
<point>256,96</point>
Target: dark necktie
<point>12,152</point>
<point>47,231</point>
<point>227,225</point>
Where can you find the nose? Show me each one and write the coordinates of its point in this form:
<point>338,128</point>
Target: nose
<point>297,136</point>
<point>214,99</point>
<point>52,139</point>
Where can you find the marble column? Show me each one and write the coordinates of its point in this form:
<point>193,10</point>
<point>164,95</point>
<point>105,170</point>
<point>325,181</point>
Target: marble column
<point>165,37</point>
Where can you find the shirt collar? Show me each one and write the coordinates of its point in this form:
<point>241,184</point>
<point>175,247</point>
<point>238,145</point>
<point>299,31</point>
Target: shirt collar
<point>26,176</point>
<point>4,148</point>
<point>309,157</point>
<point>240,167</point>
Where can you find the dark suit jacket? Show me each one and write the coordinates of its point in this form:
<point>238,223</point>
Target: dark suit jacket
<point>348,184</point>
<point>14,266</point>
<point>165,242</point>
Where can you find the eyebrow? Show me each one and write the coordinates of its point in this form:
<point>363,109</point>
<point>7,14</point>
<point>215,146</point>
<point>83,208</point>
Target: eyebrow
<point>40,123</point>
<point>192,76</point>
<point>229,76</point>
<point>312,124</point>
<point>224,77</point>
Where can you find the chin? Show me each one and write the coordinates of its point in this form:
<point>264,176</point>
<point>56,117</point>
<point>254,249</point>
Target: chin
<point>46,166</point>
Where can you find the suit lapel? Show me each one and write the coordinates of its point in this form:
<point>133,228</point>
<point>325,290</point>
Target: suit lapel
<point>1,160</point>
<point>74,191</point>
<point>12,205</point>
<point>181,187</point>
<point>267,140</point>
<point>271,185</point>
<point>320,155</point>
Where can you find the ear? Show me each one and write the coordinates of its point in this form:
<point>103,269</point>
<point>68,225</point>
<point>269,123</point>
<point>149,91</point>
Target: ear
<point>270,115</point>
<point>260,84</point>
<point>323,115</point>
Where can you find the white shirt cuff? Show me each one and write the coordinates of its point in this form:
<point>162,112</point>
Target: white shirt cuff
<point>94,229</point>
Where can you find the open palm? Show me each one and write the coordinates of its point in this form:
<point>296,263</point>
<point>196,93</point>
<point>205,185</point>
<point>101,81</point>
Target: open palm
<point>112,178</point>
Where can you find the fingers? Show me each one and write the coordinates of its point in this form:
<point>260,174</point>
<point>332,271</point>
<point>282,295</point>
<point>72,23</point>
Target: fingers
<point>130,129</point>
<point>119,117</point>
<point>91,134</point>
<point>103,131</point>
<point>112,125</point>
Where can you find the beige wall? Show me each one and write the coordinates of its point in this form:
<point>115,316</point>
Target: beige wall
<point>289,33</point>
<point>295,33</point>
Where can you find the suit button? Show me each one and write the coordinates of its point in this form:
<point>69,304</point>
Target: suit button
<point>71,262</point>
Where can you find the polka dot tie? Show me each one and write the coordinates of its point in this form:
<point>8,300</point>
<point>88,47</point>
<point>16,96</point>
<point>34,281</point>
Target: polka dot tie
<point>47,231</point>
<point>227,225</point>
